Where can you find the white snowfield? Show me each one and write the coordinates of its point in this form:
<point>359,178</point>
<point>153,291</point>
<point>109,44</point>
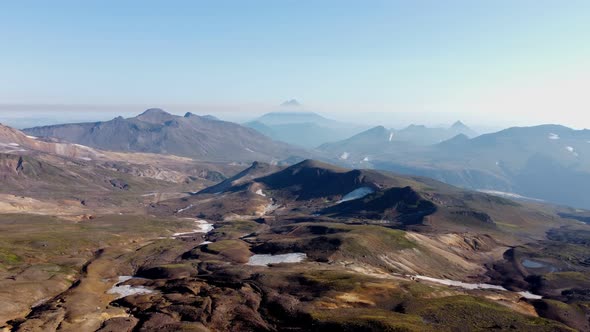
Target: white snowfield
<point>265,260</point>
<point>11,148</point>
<point>465,285</point>
<point>356,194</point>
<point>125,290</point>
<point>203,226</point>
<point>572,150</point>
<point>184,209</point>
<point>508,195</point>
<point>553,136</point>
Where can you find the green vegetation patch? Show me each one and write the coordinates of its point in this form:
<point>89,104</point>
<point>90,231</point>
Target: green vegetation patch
<point>334,280</point>
<point>570,276</point>
<point>8,258</point>
<point>235,250</point>
<point>368,242</point>
<point>392,238</point>
<point>460,312</point>
<point>235,229</point>
<point>359,319</point>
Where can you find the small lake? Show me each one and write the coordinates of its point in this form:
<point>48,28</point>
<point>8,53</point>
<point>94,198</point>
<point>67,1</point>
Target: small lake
<point>530,264</point>
<point>265,260</point>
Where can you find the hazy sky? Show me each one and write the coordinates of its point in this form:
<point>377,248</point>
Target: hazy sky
<point>498,62</point>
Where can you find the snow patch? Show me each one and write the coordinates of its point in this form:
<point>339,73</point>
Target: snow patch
<point>259,192</point>
<point>40,302</point>
<point>126,290</point>
<point>356,194</point>
<point>11,148</point>
<point>344,155</point>
<point>249,150</point>
<point>572,150</point>
<point>366,159</point>
<point>202,227</point>
<point>31,137</point>
<point>84,147</point>
<point>461,284</point>
<point>184,209</point>
<point>390,137</point>
<point>553,136</point>
<point>465,285</point>
<point>271,207</point>
<point>265,260</point>
<point>530,296</point>
<point>508,195</point>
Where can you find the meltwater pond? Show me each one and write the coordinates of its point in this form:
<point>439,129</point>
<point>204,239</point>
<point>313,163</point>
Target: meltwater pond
<point>265,260</point>
<point>532,264</point>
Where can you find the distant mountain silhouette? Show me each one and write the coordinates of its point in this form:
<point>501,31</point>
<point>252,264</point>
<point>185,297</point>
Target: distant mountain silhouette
<point>422,135</point>
<point>291,103</point>
<point>305,129</point>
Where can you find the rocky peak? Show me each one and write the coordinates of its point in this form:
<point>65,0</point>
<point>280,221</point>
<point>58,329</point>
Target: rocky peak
<point>155,115</point>
<point>459,126</point>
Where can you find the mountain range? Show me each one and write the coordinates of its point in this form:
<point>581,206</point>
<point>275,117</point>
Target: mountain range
<point>45,168</point>
<point>546,162</point>
<point>99,240</point>
<point>156,131</point>
<point>304,129</point>
<point>422,135</point>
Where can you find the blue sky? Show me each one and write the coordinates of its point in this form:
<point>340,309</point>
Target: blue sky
<point>498,62</point>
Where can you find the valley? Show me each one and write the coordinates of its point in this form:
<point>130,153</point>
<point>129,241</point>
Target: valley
<point>294,166</point>
<point>134,241</point>
<point>234,248</point>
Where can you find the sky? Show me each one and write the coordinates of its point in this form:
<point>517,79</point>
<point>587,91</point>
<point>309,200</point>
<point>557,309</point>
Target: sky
<point>496,63</point>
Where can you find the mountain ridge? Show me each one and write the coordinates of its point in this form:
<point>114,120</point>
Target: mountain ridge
<point>157,131</point>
